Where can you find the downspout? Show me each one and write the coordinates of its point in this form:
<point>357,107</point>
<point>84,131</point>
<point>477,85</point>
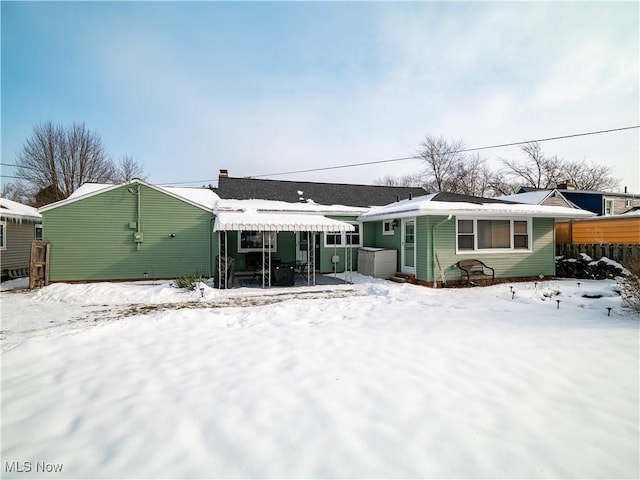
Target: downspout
<point>433,247</point>
<point>211,268</point>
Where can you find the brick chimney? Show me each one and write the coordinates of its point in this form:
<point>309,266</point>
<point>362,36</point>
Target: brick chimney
<point>224,173</point>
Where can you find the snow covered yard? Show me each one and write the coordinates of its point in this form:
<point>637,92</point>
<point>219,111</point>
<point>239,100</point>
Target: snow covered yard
<point>371,380</point>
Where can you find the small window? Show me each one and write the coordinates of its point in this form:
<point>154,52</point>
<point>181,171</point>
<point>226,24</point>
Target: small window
<point>38,232</point>
<point>333,239</point>
<point>251,241</point>
<point>353,238</point>
<point>608,207</point>
<point>465,235</point>
<point>628,203</point>
<point>342,239</point>
<point>520,234</point>
<point>3,235</point>
<point>387,227</point>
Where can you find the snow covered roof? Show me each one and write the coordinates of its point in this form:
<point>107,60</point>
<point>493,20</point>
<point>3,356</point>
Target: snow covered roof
<point>536,197</point>
<point>275,206</point>
<point>18,211</point>
<point>199,197</point>
<point>278,222</point>
<point>430,205</point>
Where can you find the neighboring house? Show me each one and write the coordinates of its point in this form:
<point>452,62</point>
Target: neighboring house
<point>600,203</point>
<point>435,231</point>
<point>316,192</point>
<point>552,198</point>
<point>19,226</point>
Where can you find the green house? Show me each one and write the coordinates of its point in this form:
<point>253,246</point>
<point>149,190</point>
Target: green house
<point>138,231</point>
<point>130,231</point>
<point>432,233</point>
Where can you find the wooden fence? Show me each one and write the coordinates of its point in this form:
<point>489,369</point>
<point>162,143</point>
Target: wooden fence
<point>617,252</point>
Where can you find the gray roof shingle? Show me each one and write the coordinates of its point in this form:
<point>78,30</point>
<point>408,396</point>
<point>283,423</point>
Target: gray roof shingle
<point>322,193</point>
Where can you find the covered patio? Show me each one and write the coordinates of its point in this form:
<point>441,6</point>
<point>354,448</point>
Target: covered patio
<point>271,272</point>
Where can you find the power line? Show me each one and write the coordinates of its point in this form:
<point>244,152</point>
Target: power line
<point>415,157</point>
<point>375,162</point>
<point>20,166</point>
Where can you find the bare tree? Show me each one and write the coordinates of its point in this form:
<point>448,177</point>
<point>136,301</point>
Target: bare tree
<point>442,161</point>
<point>585,176</point>
<point>471,177</point>
<point>56,160</point>
<point>540,171</point>
<point>537,170</point>
<point>128,169</point>
<point>408,180</point>
<point>499,185</point>
<point>17,192</point>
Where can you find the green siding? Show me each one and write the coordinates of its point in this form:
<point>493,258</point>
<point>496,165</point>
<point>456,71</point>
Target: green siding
<point>540,261</point>
<point>443,232</point>
<point>92,239</point>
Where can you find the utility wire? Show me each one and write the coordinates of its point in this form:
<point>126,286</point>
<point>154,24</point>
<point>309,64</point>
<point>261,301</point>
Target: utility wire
<point>412,157</point>
<point>415,157</point>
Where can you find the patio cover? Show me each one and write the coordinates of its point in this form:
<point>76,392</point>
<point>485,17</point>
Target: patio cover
<point>278,222</point>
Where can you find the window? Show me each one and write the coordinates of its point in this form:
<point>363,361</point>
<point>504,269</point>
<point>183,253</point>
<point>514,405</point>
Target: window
<point>608,207</point>
<point>493,235</point>
<point>353,238</point>
<point>251,241</point>
<point>466,238</point>
<point>3,235</point>
<point>342,239</point>
<point>38,232</point>
<point>520,234</point>
<point>387,227</point>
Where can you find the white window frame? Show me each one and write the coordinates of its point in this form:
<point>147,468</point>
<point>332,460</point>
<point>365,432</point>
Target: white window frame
<point>3,241</point>
<point>610,203</point>
<point>512,234</point>
<point>343,237</point>
<point>387,227</point>
<point>35,231</point>
<point>273,247</point>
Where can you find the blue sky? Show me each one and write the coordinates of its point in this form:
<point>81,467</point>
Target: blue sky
<point>266,87</point>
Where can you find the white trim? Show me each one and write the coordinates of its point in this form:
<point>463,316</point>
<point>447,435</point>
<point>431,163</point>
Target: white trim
<point>343,236</point>
<point>273,246</point>
<point>108,188</point>
<point>284,222</point>
<point>3,243</point>
<point>405,268</point>
<point>512,234</point>
<point>391,230</point>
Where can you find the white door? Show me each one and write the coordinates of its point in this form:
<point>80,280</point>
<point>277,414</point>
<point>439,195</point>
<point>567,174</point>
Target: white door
<point>408,245</point>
